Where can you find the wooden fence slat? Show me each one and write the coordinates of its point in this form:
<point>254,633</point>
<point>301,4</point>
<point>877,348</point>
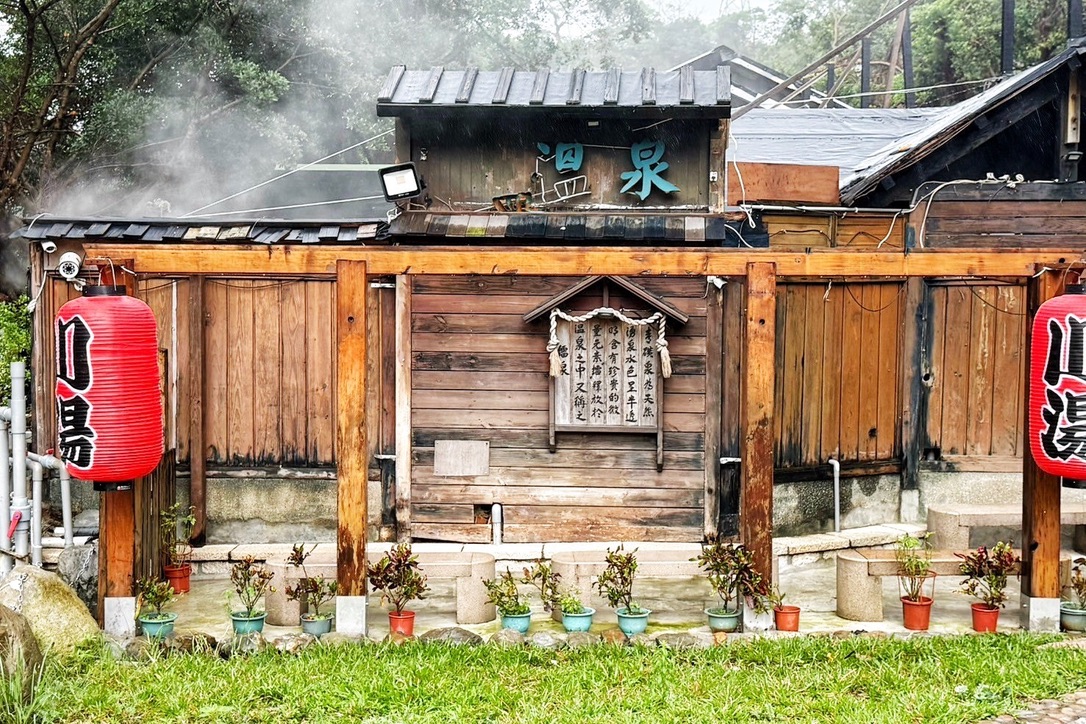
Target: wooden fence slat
<point>267,371</point>
<point>239,370</point>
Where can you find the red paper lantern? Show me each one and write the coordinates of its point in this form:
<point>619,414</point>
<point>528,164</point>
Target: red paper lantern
<point>109,406</point>
<point>1057,385</point>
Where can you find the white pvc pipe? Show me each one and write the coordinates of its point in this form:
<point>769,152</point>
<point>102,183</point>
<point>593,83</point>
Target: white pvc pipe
<point>19,502</point>
<point>496,523</point>
<point>836,465</point>
<point>38,474</point>
<point>5,492</point>
<point>51,462</point>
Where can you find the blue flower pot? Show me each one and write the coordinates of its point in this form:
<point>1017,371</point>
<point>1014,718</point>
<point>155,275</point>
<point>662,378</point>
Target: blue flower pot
<point>1072,618</point>
<point>578,621</point>
<point>633,623</point>
<point>517,622</point>
<point>247,624</point>
<point>156,625</point>
<point>722,620</point>
<point>316,626</point>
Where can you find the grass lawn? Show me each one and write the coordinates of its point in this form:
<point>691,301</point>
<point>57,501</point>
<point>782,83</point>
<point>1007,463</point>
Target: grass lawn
<point>937,679</point>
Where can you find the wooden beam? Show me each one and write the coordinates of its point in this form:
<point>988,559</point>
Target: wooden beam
<point>1040,490</point>
<point>351,457</point>
<point>718,167</point>
<point>714,371</point>
<point>756,417</point>
<point>320,261</point>
<point>915,365</point>
<point>403,408</point>
<point>197,446</point>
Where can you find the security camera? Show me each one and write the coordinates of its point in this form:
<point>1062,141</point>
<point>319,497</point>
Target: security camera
<point>69,265</point>
<point>48,246</point>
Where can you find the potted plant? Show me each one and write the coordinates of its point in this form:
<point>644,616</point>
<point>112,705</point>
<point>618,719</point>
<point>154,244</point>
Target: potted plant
<point>733,577</point>
<point>515,611</point>
<point>575,615</point>
<point>913,554</point>
<point>400,581</point>
<point>616,585</point>
<point>1073,611</point>
<point>313,592</point>
<point>986,579</point>
<point>153,595</point>
<point>547,582</point>
<point>175,530</point>
<point>251,581</point>
<point>785,616</point>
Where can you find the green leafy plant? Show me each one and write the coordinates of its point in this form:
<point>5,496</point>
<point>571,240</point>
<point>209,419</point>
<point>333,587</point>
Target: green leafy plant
<point>14,340</point>
<point>986,573</point>
<point>251,581</point>
<point>398,577</point>
<point>314,591</point>
<point>19,702</point>
<point>1078,584</point>
<point>503,593</point>
<point>775,597</point>
<point>616,582</point>
<point>569,602</point>
<point>732,575</point>
<point>913,555</point>
<point>543,578</point>
<point>153,596</point>
<point>176,524</point>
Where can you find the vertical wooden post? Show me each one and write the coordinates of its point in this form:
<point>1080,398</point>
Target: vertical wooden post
<point>351,451</point>
<point>197,447</point>
<point>756,417</point>
<point>914,366</point>
<point>907,61</point>
<point>865,72</point>
<point>718,150</point>
<point>1040,490</point>
<point>403,408</point>
<point>1006,42</point>
<point>714,364</point>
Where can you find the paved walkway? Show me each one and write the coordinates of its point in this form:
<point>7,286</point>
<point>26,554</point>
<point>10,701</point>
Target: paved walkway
<point>1070,709</point>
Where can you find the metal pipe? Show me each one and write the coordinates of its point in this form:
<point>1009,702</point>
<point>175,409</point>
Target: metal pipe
<point>496,523</point>
<point>37,471</point>
<point>836,465</point>
<point>19,502</point>
<point>5,491</point>
<point>52,462</point>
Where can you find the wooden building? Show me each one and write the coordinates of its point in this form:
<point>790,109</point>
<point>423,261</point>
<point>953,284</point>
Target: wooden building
<point>433,360</point>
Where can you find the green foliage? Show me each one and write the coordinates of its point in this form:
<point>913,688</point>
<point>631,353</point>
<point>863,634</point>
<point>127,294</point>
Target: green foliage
<point>503,593</point>
<point>731,572</point>
<point>913,554</point>
<point>14,341</point>
<point>251,581</point>
<point>176,524</point>
<point>398,577</point>
<point>315,591</point>
<point>153,595</point>
<point>19,700</point>
<point>569,602</point>
<point>986,573</point>
<point>545,580</point>
<point>616,582</point>
<point>1078,583</point>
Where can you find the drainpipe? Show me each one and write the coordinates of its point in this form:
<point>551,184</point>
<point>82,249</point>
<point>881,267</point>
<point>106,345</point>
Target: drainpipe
<point>51,462</point>
<point>836,465</point>
<point>19,503</point>
<point>5,491</point>
<point>38,474</point>
<point>496,523</point>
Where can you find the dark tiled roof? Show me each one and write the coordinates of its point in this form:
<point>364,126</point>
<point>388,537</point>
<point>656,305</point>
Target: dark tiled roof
<point>201,230</point>
<point>584,229</point>
<point>682,92</point>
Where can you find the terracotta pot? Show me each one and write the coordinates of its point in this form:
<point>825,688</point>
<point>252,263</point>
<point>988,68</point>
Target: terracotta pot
<point>786,618</point>
<point>917,614</point>
<point>402,623</point>
<point>178,576</point>
<point>985,620</point>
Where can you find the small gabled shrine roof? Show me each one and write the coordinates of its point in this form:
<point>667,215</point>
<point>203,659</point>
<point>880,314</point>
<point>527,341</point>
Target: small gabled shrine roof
<point>657,303</point>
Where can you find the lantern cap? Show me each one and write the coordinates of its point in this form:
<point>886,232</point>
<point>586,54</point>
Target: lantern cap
<point>104,290</point>
<point>1075,289</point>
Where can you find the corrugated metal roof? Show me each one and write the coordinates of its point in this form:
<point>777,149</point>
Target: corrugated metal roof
<point>700,93</point>
<point>201,231</point>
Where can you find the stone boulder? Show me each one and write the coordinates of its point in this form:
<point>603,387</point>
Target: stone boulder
<point>335,639</point>
<point>580,639</point>
<point>294,643</point>
<point>453,635</point>
<point>243,645</point>
<point>78,567</point>
<point>57,617</point>
<point>547,640</point>
<point>19,651</point>
<point>683,640</point>
<point>507,638</point>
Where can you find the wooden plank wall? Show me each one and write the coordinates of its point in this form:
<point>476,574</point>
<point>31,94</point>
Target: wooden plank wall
<point>479,372</point>
<point>999,223</point>
<point>977,372</point>
<point>838,361</point>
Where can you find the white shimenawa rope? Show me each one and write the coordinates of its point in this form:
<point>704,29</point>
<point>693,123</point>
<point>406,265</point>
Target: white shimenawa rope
<point>661,342</point>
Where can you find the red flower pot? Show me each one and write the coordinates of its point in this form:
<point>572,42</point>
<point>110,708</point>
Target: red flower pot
<point>917,614</point>
<point>402,623</point>
<point>985,620</point>
<point>786,618</point>
<point>178,576</point>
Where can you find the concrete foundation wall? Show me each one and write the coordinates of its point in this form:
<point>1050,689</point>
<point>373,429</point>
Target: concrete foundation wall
<point>808,507</point>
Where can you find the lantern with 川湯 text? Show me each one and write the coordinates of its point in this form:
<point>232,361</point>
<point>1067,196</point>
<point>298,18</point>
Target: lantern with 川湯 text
<point>109,407</point>
<point>1057,386</point>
